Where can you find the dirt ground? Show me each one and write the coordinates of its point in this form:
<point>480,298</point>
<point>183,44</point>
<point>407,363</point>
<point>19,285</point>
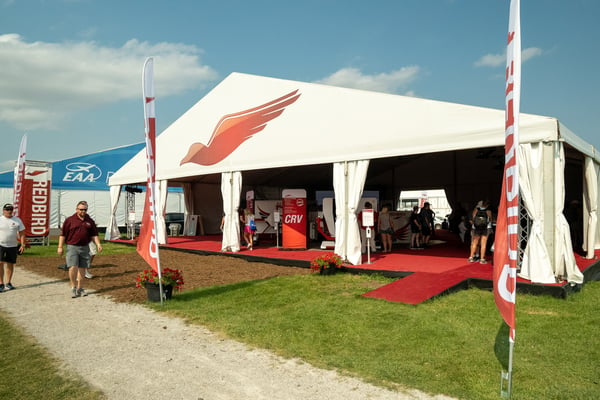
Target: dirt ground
<point>114,275</point>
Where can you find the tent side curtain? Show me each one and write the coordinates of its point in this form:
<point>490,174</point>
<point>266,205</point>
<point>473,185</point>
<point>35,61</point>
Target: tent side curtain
<point>231,189</point>
<point>188,200</point>
<point>565,265</point>
<point>536,265</point>
<point>348,183</point>
<point>590,207</point>
<point>161,209</point>
<point>112,228</point>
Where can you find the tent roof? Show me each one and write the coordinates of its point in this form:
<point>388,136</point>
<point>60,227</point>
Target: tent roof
<point>323,124</point>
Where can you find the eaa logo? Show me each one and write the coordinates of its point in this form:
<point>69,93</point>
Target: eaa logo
<point>82,172</point>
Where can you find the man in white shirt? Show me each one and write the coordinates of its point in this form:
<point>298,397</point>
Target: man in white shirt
<point>12,242</point>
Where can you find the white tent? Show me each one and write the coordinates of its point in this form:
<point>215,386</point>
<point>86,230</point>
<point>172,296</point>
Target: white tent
<point>289,124</point>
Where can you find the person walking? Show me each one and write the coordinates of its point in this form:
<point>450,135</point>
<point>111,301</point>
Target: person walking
<point>481,221</point>
<point>12,242</point>
<point>385,226</point>
<point>247,218</point>
<point>77,232</point>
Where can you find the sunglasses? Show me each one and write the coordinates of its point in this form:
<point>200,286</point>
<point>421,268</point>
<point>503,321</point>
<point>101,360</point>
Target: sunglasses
<point>8,209</point>
<point>82,209</point>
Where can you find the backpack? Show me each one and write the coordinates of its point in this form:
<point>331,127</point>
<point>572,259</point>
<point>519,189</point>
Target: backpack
<point>481,219</point>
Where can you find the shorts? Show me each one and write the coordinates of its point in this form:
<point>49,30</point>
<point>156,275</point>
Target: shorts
<point>93,249</point>
<point>247,229</point>
<point>78,256</point>
<point>481,232</point>
<point>388,231</point>
<point>9,254</point>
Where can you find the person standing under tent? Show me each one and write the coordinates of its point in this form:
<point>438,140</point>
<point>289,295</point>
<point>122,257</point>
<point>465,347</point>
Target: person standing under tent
<point>427,223</point>
<point>78,231</point>
<point>481,222</point>
<point>385,226</point>
<point>415,229</point>
<point>12,242</point>
<point>247,218</point>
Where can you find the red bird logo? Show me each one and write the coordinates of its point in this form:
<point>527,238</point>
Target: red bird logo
<point>234,129</point>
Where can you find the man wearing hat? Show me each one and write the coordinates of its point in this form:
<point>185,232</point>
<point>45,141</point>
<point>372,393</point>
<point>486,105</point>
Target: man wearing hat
<point>12,242</point>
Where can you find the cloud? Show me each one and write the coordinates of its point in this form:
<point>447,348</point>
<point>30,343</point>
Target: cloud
<point>392,82</point>
<point>497,60</point>
<point>44,82</point>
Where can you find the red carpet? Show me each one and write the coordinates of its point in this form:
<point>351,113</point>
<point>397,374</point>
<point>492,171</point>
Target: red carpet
<point>438,269</point>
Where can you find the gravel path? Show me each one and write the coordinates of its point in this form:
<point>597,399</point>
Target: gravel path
<point>131,352</point>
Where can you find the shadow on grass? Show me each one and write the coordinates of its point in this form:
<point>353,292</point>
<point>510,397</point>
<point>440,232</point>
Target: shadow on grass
<point>501,345</point>
<point>215,290</point>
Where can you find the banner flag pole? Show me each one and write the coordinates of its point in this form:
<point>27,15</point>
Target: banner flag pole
<point>147,245</point>
<point>506,244</point>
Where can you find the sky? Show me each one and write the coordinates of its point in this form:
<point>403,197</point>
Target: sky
<point>70,70</point>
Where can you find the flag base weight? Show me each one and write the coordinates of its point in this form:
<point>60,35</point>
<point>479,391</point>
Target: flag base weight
<point>505,384</point>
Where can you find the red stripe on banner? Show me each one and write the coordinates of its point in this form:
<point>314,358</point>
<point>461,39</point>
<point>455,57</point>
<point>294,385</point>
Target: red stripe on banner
<point>147,245</point>
<point>506,250</point>
<point>19,177</point>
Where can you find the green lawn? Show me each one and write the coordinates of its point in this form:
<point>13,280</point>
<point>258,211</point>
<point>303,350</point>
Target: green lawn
<point>453,345</point>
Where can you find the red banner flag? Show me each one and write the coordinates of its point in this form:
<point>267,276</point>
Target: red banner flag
<point>19,177</point>
<point>506,244</point>
<point>147,245</point>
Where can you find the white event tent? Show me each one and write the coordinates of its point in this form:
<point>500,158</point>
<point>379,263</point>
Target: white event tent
<point>266,132</point>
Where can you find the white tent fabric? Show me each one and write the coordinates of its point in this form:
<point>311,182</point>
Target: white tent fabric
<point>536,265</point>
<point>112,228</point>
<point>231,188</point>
<point>565,266</point>
<point>310,127</point>
<point>369,124</point>
<point>188,200</point>
<point>590,206</point>
<point>161,209</point>
<point>348,182</point>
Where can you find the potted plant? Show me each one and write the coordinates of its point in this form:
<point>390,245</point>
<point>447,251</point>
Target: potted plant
<point>170,278</point>
<point>326,263</point>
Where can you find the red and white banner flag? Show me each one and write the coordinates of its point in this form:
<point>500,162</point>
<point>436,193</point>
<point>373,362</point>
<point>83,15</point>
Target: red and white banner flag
<point>19,177</point>
<point>147,245</point>
<point>506,244</point>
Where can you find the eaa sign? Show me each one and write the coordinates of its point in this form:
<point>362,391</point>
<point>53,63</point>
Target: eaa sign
<point>35,195</point>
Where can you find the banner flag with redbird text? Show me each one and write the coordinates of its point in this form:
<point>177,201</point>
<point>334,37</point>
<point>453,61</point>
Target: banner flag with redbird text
<point>147,245</point>
<point>506,243</point>
<point>19,177</point>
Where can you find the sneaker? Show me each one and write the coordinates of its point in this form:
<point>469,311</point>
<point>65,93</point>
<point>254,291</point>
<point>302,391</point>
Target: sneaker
<point>9,286</point>
<point>81,292</point>
<point>483,261</point>
<point>471,259</point>
<point>88,275</point>
<point>74,293</point>
<point>1,287</point>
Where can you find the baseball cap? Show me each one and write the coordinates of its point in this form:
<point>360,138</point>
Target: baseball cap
<point>7,206</point>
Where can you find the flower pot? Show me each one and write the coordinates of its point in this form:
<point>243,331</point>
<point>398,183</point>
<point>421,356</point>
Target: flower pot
<point>153,292</point>
<point>329,270</point>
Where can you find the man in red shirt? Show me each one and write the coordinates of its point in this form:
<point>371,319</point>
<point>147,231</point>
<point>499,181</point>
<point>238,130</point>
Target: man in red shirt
<point>77,232</point>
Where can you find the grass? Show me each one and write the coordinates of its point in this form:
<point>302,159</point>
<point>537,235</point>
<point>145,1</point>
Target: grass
<point>28,372</point>
<point>50,251</point>
<point>455,345</point>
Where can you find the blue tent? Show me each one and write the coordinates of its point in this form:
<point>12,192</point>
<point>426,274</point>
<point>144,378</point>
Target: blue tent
<point>87,172</point>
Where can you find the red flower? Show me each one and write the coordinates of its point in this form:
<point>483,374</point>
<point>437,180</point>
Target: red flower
<point>169,277</point>
<point>325,260</point>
